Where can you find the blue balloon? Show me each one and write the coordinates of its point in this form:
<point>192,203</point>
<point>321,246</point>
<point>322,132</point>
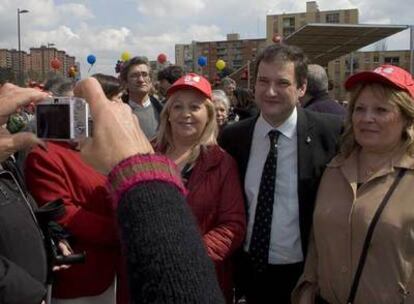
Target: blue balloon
<point>91,59</point>
<point>202,61</point>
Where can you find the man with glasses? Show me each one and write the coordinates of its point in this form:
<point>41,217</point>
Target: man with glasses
<point>135,74</point>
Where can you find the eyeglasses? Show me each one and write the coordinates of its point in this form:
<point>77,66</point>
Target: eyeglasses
<point>138,75</point>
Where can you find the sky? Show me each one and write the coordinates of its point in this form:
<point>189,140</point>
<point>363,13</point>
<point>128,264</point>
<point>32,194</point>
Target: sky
<point>150,27</point>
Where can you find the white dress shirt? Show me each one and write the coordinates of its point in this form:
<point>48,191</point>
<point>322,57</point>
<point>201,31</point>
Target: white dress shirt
<point>285,241</point>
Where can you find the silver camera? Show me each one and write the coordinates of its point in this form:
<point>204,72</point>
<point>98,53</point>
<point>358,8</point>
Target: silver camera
<point>62,118</point>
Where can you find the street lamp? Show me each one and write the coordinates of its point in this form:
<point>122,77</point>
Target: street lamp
<point>20,72</point>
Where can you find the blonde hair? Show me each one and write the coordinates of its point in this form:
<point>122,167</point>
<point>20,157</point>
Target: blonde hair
<point>207,137</point>
<point>398,98</point>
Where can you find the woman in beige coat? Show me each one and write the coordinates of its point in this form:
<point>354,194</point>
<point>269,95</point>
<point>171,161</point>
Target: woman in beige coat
<point>378,143</point>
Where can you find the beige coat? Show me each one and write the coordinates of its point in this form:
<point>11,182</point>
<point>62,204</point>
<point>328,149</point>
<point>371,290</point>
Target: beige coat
<point>341,219</point>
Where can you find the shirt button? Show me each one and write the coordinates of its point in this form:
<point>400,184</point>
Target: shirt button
<point>344,269</point>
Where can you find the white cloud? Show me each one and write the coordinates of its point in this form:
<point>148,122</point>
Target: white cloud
<point>151,27</point>
<point>105,39</point>
<point>168,8</point>
<point>75,10</point>
<point>63,35</point>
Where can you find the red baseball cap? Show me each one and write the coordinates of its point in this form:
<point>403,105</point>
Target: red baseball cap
<point>387,74</point>
<point>191,81</point>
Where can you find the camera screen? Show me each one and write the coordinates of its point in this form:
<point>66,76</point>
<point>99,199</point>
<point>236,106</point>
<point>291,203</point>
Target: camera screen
<point>53,121</point>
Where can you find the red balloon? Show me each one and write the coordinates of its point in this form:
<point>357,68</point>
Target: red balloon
<point>162,58</point>
<point>55,63</point>
<point>277,38</point>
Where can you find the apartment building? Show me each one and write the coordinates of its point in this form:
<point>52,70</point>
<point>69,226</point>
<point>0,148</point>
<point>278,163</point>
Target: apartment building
<point>340,69</point>
<point>35,65</point>
<point>284,24</point>
<point>235,52</point>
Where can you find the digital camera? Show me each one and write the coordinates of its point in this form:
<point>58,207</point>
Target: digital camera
<point>62,118</point>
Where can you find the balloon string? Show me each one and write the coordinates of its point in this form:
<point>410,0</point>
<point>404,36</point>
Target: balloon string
<point>90,68</point>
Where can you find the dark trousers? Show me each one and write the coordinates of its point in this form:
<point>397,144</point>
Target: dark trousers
<point>274,285</point>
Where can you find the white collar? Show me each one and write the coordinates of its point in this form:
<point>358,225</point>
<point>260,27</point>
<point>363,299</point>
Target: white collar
<point>287,128</point>
<point>145,104</point>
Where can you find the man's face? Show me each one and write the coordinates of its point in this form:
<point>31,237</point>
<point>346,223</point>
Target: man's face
<point>163,87</point>
<point>276,91</point>
<point>138,79</point>
<point>229,88</point>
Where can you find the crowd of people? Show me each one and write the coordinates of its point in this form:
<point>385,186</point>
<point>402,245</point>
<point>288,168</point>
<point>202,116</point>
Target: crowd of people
<point>185,194</point>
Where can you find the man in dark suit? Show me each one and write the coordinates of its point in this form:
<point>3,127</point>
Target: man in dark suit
<point>281,156</point>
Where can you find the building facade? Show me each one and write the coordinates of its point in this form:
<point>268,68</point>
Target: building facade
<point>156,66</point>
<point>340,69</point>
<point>35,65</point>
<point>235,52</point>
<point>283,25</point>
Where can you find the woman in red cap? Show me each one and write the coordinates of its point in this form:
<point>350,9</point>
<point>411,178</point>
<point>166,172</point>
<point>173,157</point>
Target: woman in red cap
<point>187,135</point>
<point>362,247</point>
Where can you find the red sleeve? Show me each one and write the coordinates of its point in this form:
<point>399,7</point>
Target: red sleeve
<point>46,181</point>
<point>230,231</point>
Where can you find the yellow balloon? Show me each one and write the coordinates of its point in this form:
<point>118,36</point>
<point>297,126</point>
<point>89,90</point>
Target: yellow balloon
<point>220,64</point>
<point>125,56</point>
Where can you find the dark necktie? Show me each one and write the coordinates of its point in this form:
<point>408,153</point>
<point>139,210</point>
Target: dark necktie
<point>260,241</point>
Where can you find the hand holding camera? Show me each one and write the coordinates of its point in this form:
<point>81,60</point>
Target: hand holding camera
<point>116,133</point>
<point>62,118</point>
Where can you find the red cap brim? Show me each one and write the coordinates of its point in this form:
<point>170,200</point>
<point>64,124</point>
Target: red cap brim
<point>369,76</point>
<point>184,86</point>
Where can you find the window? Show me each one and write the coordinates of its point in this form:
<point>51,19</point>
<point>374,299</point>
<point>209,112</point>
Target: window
<point>288,31</point>
<point>376,59</point>
<point>288,26</point>
<point>332,18</point>
<point>392,60</point>
<point>288,22</point>
<point>237,63</point>
<point>221,51</point>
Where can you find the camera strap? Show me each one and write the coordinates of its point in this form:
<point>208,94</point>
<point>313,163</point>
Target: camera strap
<point>368,237</point>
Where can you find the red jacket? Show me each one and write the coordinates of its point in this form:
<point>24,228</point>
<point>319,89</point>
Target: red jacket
<point>216,199</point>
<point>60,173</point>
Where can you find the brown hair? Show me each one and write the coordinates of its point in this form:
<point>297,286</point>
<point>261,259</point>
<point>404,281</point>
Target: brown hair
<point>110,84</point>
<point>132,62</point>
<point>286,53</point>
<point>400,99</point>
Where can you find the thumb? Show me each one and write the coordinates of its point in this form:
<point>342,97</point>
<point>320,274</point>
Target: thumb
<point>92,92</point>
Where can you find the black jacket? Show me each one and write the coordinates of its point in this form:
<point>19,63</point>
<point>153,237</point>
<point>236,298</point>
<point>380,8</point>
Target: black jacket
<point>317,137</point>
<point>323,103</point>
<point>23,264</point>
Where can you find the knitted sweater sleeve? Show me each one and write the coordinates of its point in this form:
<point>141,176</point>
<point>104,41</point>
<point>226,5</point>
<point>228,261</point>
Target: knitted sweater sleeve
<point>167,262</point>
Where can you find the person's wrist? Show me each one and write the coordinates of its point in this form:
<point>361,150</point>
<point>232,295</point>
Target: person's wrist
<point>140,168</point>
<point>124,154</point>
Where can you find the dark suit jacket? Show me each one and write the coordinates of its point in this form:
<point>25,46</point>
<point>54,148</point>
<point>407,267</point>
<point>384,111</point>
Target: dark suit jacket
<point>318,136</point>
